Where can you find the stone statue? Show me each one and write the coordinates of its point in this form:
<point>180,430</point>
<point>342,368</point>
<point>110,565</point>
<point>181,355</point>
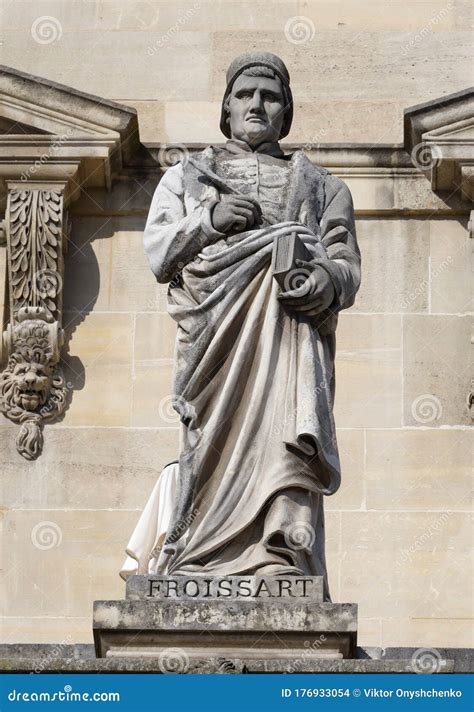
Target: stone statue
<point>254,370</point>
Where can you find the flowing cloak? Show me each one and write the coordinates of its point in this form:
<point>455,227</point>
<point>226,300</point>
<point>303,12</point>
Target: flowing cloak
<point>253,383</point>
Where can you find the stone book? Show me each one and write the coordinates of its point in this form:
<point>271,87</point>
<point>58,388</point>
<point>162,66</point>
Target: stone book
<point>286,250</point>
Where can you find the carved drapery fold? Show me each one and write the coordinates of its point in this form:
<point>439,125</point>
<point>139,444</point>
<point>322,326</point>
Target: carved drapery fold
<point>32,387</point>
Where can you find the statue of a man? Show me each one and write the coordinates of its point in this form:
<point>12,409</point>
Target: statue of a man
<point>254,370</point>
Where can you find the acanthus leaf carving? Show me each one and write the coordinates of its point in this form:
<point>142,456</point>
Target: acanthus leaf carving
<point>32,387</point>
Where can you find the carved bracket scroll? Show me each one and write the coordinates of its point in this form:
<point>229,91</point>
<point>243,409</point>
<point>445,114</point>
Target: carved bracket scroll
<point>32,387</point>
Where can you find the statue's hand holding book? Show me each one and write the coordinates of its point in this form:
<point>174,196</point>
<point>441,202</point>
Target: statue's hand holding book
<point>306,285</point>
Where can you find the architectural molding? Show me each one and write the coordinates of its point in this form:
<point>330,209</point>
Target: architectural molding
<point>32,387</point>
<point>439,135</point>
<point>49,131</point>
<point>55,143</point>
<point>58,144</point>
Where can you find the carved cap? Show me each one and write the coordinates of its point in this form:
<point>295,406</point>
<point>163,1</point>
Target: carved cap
<point>259,59</point>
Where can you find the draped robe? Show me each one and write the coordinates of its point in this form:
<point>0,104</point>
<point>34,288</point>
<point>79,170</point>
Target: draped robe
<point>254,381</point>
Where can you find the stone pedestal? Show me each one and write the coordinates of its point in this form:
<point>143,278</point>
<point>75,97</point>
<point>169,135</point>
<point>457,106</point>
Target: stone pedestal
<point>279,624</point>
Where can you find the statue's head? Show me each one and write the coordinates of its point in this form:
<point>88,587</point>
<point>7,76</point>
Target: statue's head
<point>257,105</point>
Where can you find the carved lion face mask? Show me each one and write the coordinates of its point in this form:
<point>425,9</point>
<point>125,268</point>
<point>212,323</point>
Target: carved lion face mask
<point>31,383</point>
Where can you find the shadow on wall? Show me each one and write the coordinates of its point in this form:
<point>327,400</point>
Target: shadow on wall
<point>81,289</point>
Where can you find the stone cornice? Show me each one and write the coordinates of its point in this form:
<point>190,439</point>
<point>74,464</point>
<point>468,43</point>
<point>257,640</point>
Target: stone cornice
<point>54,131</point>
<point>53,142</point>
<point>58,144</point>
<point>335,155</point>
<point>439,135</point>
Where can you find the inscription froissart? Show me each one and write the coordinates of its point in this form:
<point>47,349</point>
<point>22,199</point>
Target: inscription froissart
<point>231,587</point>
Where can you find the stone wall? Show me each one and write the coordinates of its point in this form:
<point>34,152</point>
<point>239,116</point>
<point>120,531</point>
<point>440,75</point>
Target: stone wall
<point>398,531</point>
<point>355,65</point>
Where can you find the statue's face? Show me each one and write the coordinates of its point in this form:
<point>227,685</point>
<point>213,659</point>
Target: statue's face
<point>256,106</point>
<point>31,384</point>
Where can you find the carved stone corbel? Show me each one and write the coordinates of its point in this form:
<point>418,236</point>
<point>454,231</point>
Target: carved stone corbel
<point>55,144</point>
<point>32,387</point>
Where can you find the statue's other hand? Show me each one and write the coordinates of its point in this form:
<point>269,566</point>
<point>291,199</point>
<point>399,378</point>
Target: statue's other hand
<point>314,290</point>
<point>235,214</point>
